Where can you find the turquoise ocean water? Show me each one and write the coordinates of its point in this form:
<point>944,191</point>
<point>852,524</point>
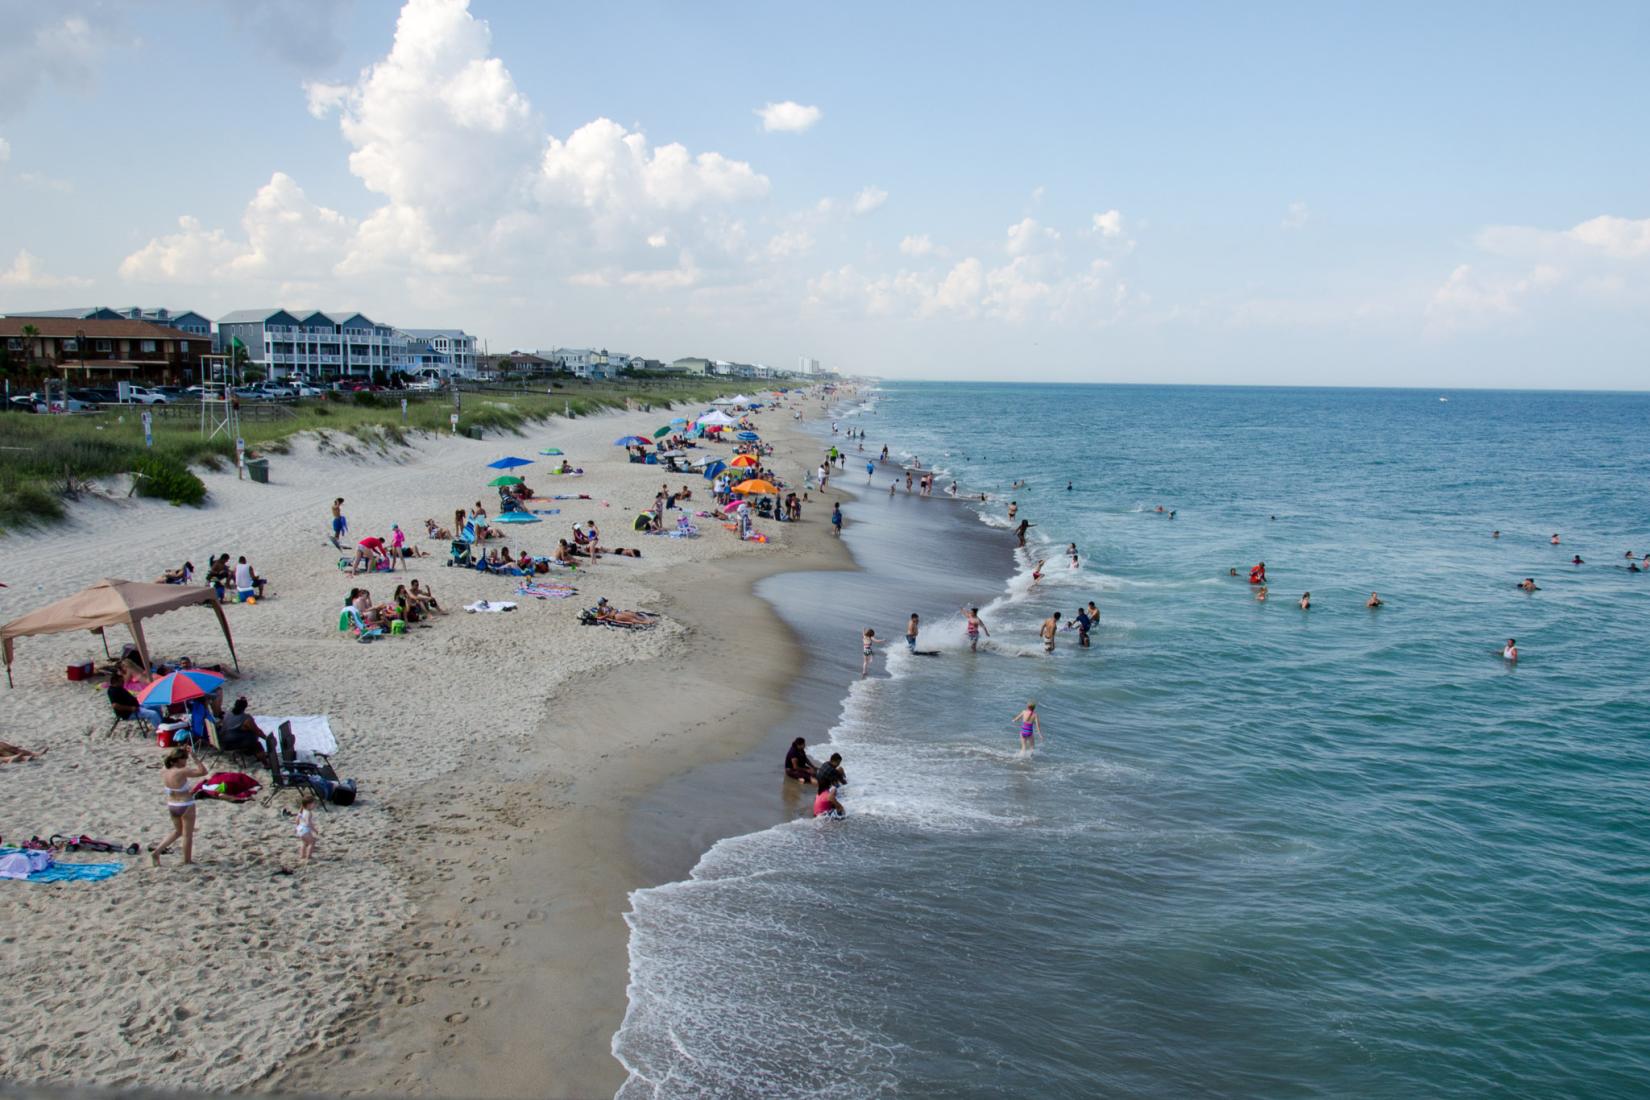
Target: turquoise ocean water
<point>1264,852</point>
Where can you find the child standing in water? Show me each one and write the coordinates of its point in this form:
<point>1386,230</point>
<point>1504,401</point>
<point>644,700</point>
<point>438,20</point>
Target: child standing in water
<point>974,625</point>
<point>911,633</point>
<point>307,836</point>
<point>868,641</point>
<point>1030,728</point>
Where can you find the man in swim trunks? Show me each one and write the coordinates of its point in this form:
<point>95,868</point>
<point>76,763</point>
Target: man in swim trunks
<point>911,634</point>
<point>340,525</point>
<point>1083,622</point>
<point>830,774</point>
<point>1050,628</point>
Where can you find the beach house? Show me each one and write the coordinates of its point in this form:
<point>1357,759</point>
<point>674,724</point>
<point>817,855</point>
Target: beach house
<point>102,351</point>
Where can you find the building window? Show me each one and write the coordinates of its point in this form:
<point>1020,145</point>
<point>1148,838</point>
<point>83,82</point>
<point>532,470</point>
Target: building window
<point>105,345</point>
<point>147,346</point>
<point>183,346</point>
<point>71,344</point>
<point>14,343</point>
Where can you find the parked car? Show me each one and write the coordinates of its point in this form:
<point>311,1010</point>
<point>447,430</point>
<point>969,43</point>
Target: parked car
<point>173,393</point>
<point>144,395</point>
<point>304,389</point>
<point>424,385</point>
<point>24,402</point>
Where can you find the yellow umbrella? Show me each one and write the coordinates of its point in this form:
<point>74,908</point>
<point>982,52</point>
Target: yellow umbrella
<point>756,485</point>
<point>743,460</point>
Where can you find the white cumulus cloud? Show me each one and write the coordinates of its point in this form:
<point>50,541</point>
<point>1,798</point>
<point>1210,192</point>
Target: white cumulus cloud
<point>1109,224</point>
<point>868,199</point>
<point>917,245</point>
<point>25,273</point>
<point>788,117</point>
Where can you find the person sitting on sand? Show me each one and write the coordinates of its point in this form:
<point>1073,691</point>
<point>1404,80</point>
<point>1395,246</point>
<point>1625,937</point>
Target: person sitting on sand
<point>406,608</point>
<point>424,597</point>
<point>12,754</point>
<point>182,575</point>
<point>247,582</point>
<point>434,530</point>
<point>797,764</point>
<point>685,494</point>
<point>218,571</point>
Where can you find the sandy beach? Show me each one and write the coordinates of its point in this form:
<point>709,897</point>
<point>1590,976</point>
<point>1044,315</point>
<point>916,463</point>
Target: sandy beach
<point>461,932</point>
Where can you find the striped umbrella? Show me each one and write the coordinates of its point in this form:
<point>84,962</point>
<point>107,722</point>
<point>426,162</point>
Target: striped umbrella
<point>180,687</point>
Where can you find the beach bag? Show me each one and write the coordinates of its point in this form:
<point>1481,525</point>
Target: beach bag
<point>23,864</point>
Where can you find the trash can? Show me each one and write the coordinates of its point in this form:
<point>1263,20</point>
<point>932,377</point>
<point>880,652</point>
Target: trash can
<point>476,432</point>
<point>258,470</point>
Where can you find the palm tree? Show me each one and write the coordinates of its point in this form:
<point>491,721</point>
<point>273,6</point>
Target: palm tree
<point>31,342</point>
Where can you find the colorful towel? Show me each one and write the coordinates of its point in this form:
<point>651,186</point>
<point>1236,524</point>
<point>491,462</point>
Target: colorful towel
<point>71,872</point>
<point>546,591</point>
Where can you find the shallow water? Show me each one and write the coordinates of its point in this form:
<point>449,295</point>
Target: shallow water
<point>1263,851</point>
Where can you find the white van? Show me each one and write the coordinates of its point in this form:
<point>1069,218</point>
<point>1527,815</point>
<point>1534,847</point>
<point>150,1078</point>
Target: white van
<point>140,395</point>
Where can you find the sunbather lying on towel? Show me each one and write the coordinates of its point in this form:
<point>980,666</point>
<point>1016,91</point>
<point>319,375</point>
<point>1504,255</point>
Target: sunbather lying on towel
<point>11,754</point>
<point>607,613</point>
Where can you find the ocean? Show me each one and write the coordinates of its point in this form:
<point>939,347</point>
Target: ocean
<point>1262,851</point>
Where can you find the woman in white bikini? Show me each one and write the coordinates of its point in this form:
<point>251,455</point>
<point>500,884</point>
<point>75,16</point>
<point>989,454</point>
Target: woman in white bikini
<point>177,769</point>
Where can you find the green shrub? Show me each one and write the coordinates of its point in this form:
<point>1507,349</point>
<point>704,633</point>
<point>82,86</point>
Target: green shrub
<point>169,480</point>
<point>320,410</point>
<point>368,399</point>
<point>26,504</point>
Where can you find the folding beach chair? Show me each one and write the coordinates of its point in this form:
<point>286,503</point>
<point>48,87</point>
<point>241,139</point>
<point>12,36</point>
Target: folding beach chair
<point>288,773</point>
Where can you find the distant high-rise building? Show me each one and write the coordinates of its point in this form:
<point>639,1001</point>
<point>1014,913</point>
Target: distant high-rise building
<point>805,365</point>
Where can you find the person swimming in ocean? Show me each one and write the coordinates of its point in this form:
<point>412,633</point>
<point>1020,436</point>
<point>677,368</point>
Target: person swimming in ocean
<point>1527,585</point>
<point>1306,601</point>
<point>1071,553</point>
<point>1577,560</point>
<point>1037,573</point>
<point>1554,539</point>
<point>1068,486</point>
<point>1509,652</point>
<point>972,625</point>
<point>1374,600</point>
<point>1030,727</point>
<point>1257,574</point>
<point>1495,534</point>
<point>826,804</point>
<point>1048,631</point>
<point>1260,593</point>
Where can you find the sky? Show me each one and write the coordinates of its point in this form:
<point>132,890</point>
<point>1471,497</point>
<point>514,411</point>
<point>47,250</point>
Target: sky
<point>1283,193</point>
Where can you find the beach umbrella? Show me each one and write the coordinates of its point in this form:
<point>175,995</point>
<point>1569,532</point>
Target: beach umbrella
<point>551,451</point>
<point>505,479</point>
<point>756,485</point>
<point>509,463</point>
<point>749,437</point>
<point>733,505</point>
<point>180,687</point>
<point>662,431</point>
<point>744,460</point>
<point>679,420</point>
<point>714,468</point>
<point>672,454</point>
<point>630,441</point>
<point>517,517</point>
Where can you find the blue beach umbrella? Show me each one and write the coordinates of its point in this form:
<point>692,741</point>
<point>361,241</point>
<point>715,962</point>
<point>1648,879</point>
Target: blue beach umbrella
<point>749,437</point>
<point>180,687</point>
<point>679,420</point>
<point>714,468</point>
<point>630,441</point>
<point>517,517</point>
<point>509,463</point>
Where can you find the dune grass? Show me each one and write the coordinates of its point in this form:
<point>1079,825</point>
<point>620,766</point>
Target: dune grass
<point>45,460</point>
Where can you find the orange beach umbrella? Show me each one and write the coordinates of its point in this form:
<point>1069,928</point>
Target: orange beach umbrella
<point>756,485</point>
<point>744,460</point>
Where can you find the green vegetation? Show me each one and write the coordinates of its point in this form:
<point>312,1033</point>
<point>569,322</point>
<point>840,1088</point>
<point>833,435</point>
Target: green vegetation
<point>46,459</point>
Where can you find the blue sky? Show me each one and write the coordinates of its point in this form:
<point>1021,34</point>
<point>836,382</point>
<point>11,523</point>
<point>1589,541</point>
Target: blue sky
<point>1438,195</point>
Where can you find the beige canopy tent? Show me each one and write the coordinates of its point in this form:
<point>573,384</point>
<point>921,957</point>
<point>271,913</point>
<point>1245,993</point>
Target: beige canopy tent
<point>113,603</point>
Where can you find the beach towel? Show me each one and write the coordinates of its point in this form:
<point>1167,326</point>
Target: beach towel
<point>56,872</point>
<point>546,591</point>
<point>228,786</point>
<point>311,733</point>
<point>490,606</point>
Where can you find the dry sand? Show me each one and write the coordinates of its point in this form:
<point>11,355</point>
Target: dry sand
<point>461,933</point>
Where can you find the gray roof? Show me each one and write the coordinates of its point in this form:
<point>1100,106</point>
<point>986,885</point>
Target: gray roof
<point>432,333</point>
<point>253,316</point>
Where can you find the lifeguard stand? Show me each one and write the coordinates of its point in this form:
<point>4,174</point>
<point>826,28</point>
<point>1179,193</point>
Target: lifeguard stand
<point>220,412</point>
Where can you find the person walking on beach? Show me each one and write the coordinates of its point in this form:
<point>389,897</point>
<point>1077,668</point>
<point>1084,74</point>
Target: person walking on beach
<point>868,642</point>
<point>1051,627</point>
<point>1030,728</point>
<point>911,634</point>
<point>973,624</point>
<point>836,519</point>
<point>340,525</point>
<point>178,768</point>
